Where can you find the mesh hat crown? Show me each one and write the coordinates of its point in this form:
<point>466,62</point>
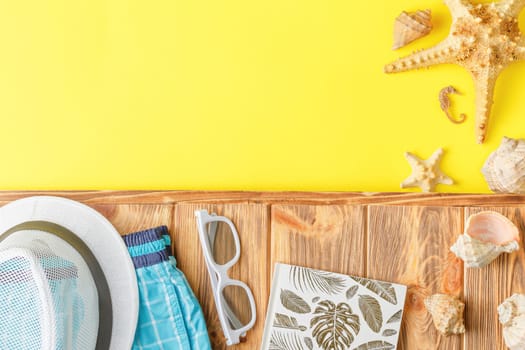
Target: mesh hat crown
<point>50,299</point>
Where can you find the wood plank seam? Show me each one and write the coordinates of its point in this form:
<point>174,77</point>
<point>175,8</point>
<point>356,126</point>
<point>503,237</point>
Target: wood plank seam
<point>269,238</point>
<point>172,229</point>
<point>366,242</point>
<point>465,281</point>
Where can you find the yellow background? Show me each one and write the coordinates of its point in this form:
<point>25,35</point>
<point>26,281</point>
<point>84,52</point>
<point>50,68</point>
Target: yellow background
<point>233,94</point>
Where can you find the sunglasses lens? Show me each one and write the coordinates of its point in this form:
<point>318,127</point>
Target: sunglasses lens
<point>237,308</point>
<point>223,246</point>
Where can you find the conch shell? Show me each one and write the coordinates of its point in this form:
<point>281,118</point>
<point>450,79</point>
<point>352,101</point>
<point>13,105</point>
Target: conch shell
<point>504,169</point>
<point>512,317</point>
<point>487,235</point>
<point>411,26</point>
<point>447,313</point>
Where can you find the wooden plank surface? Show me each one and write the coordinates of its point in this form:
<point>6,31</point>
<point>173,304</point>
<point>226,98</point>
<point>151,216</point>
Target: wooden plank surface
<point>251,221</point>
<point>128,218</point>
<point>488,287</point>
<point>285,198</point>
<point>399,237</point>
<point>329,238</point>
<point>410,245</point>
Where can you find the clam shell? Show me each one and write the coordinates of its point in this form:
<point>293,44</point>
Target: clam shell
<point>447,313</point>
<point>504,169</point>
<point>492,227</point>
<point>411,26</point>
<point>512,316</point>
<point>487,235</point>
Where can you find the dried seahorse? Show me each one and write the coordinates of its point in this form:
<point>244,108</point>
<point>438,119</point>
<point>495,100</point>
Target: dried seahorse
<point>445,103</point>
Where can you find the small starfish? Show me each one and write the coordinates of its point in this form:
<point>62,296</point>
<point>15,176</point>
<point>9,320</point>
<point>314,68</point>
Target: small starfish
<point>484,39</point>
<point>426,173</point>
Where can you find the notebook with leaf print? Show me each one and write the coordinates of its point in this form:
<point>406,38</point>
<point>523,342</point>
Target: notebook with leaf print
<point>313,309</point>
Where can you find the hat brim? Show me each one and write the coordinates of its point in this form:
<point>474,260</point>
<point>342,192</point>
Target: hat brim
<point>105,243</point>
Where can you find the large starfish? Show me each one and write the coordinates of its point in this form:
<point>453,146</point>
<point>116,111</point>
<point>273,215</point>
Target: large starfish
<point>484,39</point>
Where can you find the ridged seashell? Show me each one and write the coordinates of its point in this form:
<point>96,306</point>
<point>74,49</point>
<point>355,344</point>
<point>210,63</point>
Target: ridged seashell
<point>504,169</point>
<point>512,316</point>
<point>411,26</point>
<point>447,313</point>
<point>487,235</point>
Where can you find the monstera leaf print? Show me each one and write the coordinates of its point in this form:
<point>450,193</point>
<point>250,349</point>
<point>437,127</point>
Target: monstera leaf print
<point>383,289</point>
<point>305,279</point>
<point>334,327</point>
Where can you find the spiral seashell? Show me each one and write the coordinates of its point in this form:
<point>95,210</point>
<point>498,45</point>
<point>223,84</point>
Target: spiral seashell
<point>487,235</point>
<point>447,313</point>
<point>504,169</point>
<point>512,316</point>
<point>411,26</point>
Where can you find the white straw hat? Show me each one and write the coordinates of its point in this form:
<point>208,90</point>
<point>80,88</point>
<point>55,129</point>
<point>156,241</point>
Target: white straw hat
<point>66,278</point>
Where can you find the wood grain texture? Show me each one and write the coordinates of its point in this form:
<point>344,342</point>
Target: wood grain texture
<point>251,221</point>
<point>488,287</point>
<point>399,237</point>
<point>410,245</point>
<point>328,238</point>
<point>327,198</point>
<point>128,218</point>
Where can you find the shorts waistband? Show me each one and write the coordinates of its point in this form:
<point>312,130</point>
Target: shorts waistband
<point>148,247</point>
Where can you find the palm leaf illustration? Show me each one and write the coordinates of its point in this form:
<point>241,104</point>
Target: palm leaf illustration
<point>371,311</point>
<point>395,317</point>
<point>383,289</point>
<point>285,341</point>
<point>351,292</point>
<point>334,327</point>
<point>284,321</point>
<point>375,345</point>
<point>305,279</point>
<point>308,342</point>
<point>293,302</point>
<point>389,332</point>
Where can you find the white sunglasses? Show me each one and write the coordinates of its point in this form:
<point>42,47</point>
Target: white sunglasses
<point>231,296</point>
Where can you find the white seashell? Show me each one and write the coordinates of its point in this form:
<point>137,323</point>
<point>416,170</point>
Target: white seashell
<point>487,235</point>
<point>411,26</point>
<point>477,253</point>
<point>512,316</point>
<point>504,169</point>
<point>447,313</point>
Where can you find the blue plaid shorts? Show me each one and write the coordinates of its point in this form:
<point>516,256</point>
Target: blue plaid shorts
<point>170,316</point>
